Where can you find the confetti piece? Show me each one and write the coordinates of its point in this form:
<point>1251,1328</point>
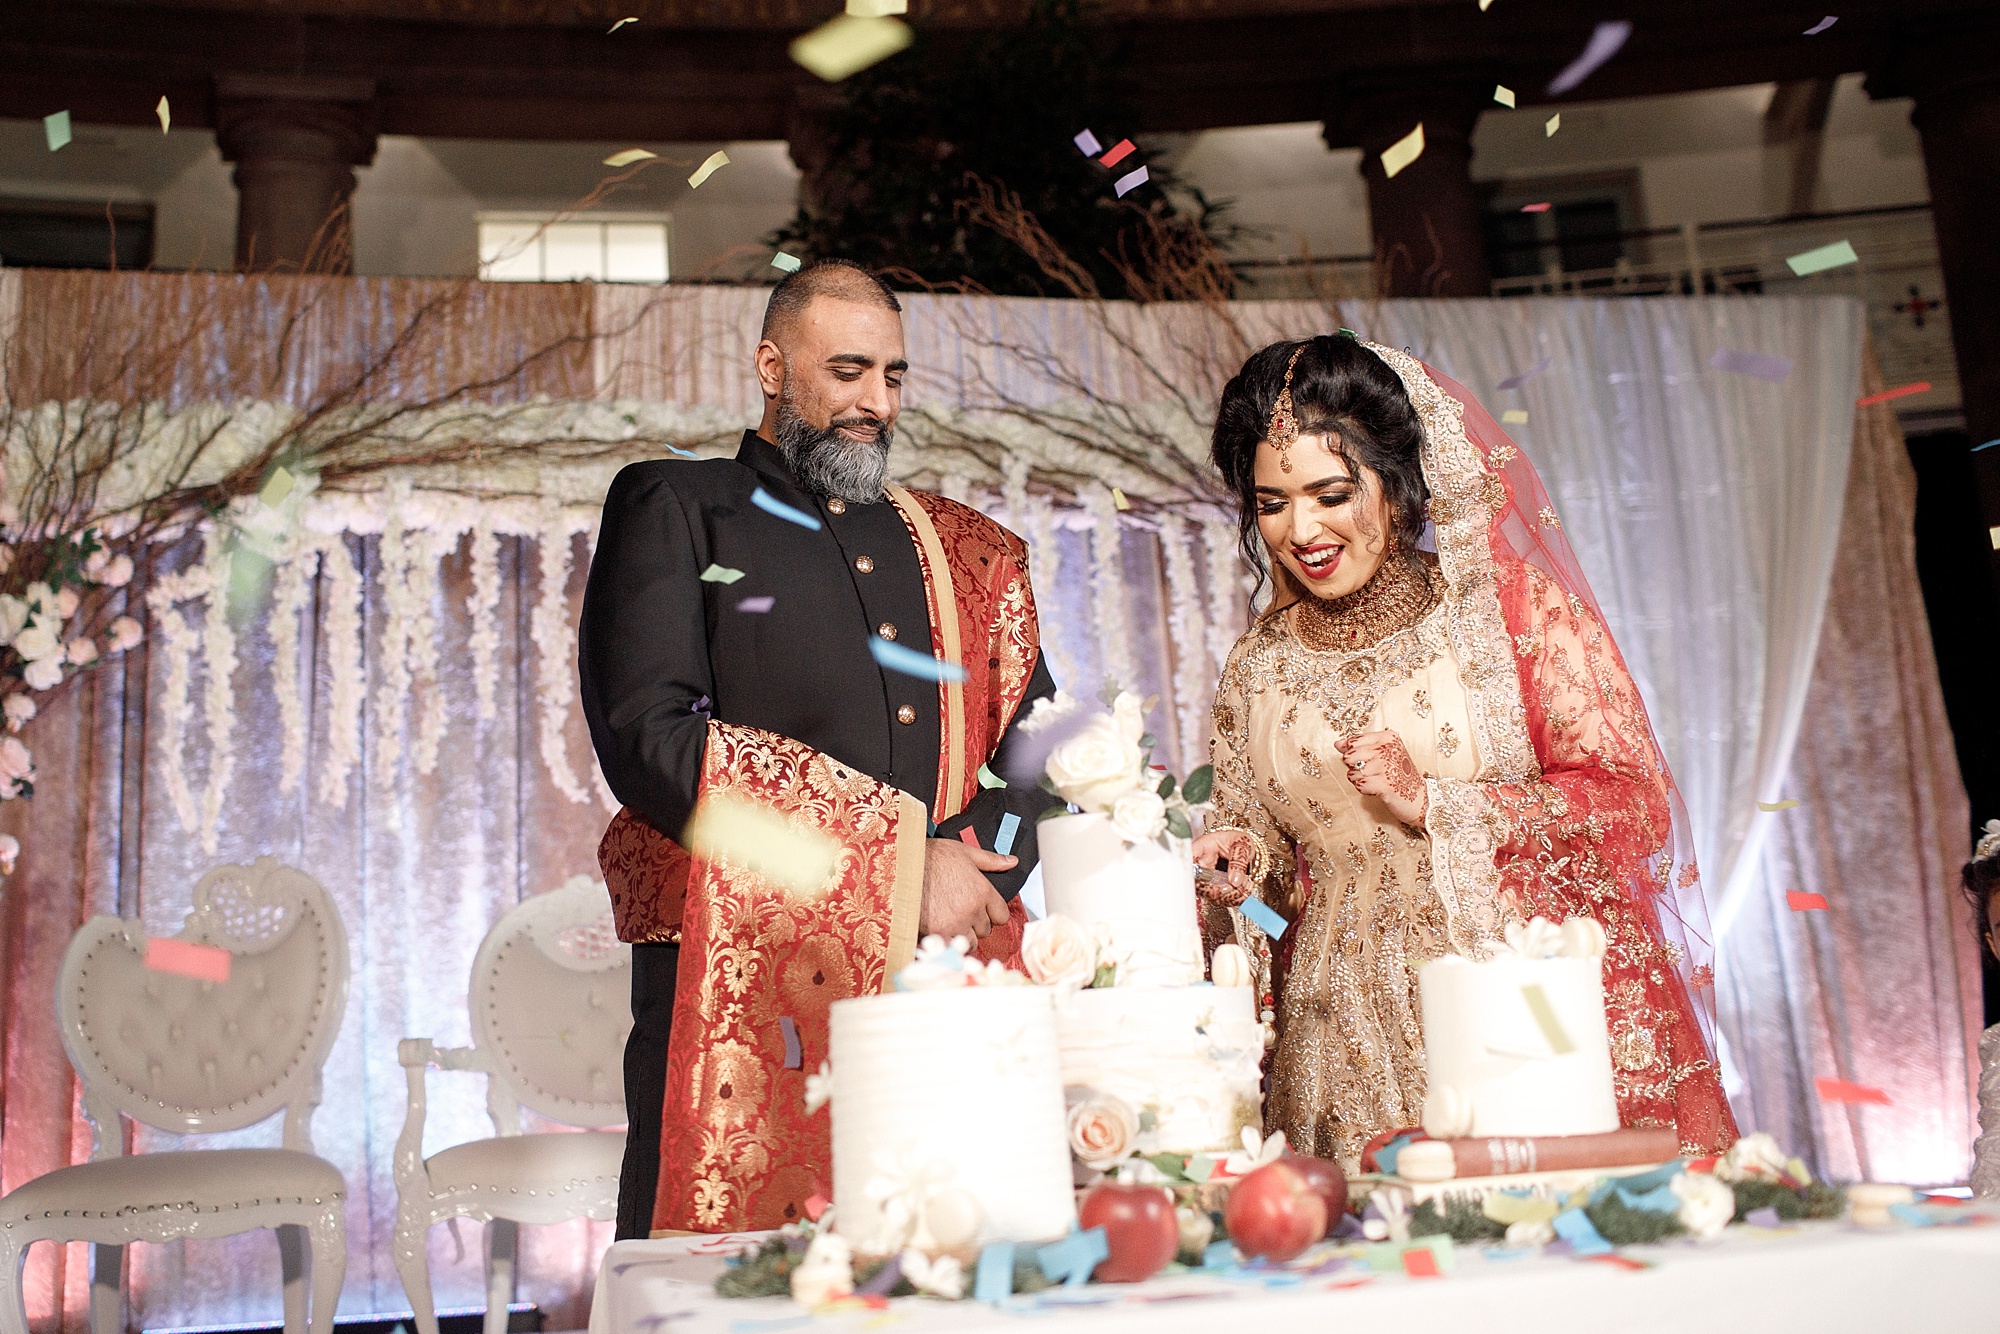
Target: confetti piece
<point>761,840</point>
<point>1802,902</point>
<point>1551,125</point>
<point>789,263</point>
<point>1617,1261</point>
<point>1129,182</point>
<point>56,128</point>
<point>1574,1226</point>
<point>884,1279</point>
<point>1545,1019</point>
<point>1484,5</point>
<point>1757,365</point>
<point>794,1058</point>
<point>1418,1262</point>
<point>1825,257</point>
<point>1764,1217</point>
<point>995,1282</point>
<point>968,837</point>
<point>1604,43</point>
<point>1219,1255</point>
<point>1403,152</point>
<point>204,963</point>
<point>1072,1258</point>
<point>1266,919</point>
<point>1118,499</point>
<point>1200,1167</point>
<point>770,504</point>
<point>1507,1209</point>
<point>1988,445</point>
<point>1840,1090</point>
<point>1514,417</point>
<point>619,24</point>
<point>1900,391</point>
<point>989,779</point>
<point>909,662</point>
<point>1785,805</point>
<point>720,574</point>
<point>1121,150</point>
<point>1516,381</point>
<point>1086,143</point>
<point>1003,842</point>
<point>1994,535</point>
<point>277,488</point>
<point>165,113</point>
<point>1503,95</point>
<point>1536,208</point>
<point>628,157</point>
<point>845,45</point>
<point>1822,25</point>
<point>715,162</point>
<point>877,9</point>
<point>816,1205</point>
<point>757,606</point>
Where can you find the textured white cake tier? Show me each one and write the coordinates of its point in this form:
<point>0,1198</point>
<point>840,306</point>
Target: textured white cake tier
<point>964,1083</point>
<point>1188,1055</point>
<point>1142,893</point>
<point>1482,1042</point>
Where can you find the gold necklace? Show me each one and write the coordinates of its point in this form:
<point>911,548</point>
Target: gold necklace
<point>1397,596</point>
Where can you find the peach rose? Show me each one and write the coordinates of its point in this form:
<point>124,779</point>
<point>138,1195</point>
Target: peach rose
<point>1102,1131</point>
<point>1058,952</point>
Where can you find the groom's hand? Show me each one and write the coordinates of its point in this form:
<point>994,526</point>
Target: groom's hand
<point>958,898</point>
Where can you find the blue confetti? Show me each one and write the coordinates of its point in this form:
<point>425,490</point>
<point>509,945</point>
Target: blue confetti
<point>996,1273</point>
<point>770,504</point>
<point>794,1058</point>
<point>1267,920</point>
<point>896,658</point>
<point>1219,1255</point>
<point>1574,1226</point>
<point>1072,1258</point>
<point>1003,842</point>
<point>1988,445</point>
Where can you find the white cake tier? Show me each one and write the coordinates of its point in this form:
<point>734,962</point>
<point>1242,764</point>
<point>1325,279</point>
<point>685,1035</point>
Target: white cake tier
<point>1187,1055</point>
<point>962,1086</point>
<point>1493,1068</point>
<point>1141,892</point>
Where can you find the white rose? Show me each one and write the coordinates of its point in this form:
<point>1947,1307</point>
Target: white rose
<point>1096,766</point>
<point>1536,939</point>
<point>82,652</point>
<point>1058,951</point>
<point>10,848</point>
<point>1102,1130</point>
<point>1048,711</point>
<point>943,1277</point>
<point>119,572</point>
<point>1707,1205</point>
<point>1196,1227</point>
<point>1139,817</point>
<point>1531,1232</point>
<point>1752,1157</point>
<point>43,674</point>
<point>39,595</point>
<point>826,1272</point>
<point>1128,714</point>
<point>126,633</point>
<point>66,603</point>
<point>21,710</point>
<point>17,763</point>
<point>13,616</point>
<point>38,641</point>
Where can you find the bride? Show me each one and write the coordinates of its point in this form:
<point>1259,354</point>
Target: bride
<point>1416,747</point>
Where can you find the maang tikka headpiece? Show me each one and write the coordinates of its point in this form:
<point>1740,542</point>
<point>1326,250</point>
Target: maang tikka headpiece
<point>1284,428</point>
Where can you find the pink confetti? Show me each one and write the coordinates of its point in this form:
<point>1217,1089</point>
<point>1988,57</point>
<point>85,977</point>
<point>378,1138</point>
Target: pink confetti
<point>1536,208</point>
<point>1802,902</point>
<point>1123,149</point>
<point>1840,1090</point>
<point>204,963</point>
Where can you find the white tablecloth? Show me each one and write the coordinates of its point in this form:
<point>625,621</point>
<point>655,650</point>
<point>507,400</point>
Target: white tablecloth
<point>1822,1277</point>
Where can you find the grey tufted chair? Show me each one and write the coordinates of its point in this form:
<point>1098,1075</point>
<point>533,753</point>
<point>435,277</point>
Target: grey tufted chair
<point>551,1006</point>
<point>199,1056</point>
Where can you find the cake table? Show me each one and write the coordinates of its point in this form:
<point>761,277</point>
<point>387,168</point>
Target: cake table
<point>1826,1277</point>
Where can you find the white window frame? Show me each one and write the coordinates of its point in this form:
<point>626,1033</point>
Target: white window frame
<point>541,222</point>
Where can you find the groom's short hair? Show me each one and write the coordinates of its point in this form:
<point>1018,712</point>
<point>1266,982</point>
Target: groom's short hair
<point>840,279</point>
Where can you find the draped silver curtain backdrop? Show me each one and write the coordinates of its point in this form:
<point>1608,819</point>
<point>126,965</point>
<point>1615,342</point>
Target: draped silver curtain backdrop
<point>398,718</point>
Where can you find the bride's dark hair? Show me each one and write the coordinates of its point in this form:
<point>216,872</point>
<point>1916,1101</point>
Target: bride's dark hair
<point>1340,389</point>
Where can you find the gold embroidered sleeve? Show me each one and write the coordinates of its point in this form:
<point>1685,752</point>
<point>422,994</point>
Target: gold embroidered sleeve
<point>1235,803</point>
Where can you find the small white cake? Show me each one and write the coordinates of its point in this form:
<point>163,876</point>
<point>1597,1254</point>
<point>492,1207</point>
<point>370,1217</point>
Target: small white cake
<point>1140,893</point>
<point>1185,1059</point>
<point>942,1094</point>
<point>1516,1044</point>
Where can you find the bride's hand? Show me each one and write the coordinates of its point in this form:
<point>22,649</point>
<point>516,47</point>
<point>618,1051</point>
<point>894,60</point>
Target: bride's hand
<point>1210,849</point>
<point>1378,764</point>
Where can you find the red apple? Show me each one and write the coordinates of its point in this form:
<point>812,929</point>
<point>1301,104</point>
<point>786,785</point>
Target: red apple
<point>1327,1181</point>
<point>1275,1212</point>
<point>1139,1227</point>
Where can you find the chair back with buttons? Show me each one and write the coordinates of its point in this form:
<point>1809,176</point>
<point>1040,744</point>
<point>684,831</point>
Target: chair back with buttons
<point>551,1007</point>
<point>187,1053</point>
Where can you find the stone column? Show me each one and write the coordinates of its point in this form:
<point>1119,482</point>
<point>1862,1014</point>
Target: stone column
<point>295,143</point>
<point>1426,219</point>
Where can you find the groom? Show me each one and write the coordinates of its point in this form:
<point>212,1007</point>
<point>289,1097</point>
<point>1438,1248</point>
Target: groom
<point>726,666</point>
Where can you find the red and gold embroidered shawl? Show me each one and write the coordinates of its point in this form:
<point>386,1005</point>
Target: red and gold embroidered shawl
<point>737,1150</point>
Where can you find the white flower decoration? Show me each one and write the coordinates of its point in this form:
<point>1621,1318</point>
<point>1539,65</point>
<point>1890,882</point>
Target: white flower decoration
<point>125,633</point>
<point>21,710</point>
<point>1989,838</point>
<point>39,640</point>
<point>1707,1205</point>
<point>1531,1232</point>
<point>1059,951</point>
<point>43,673</point>
<point>13,617</point>
<point>1536,939</point>
<point>1139,817</point>
<point>10,848</point>
<point>1754,1157</point>
<point>942,1277</point>
<point>1257,1150</point>
<point>826,1272</point>
<point>819,1088</point>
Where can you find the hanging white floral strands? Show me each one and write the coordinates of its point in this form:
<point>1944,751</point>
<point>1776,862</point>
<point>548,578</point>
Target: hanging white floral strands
<point>1192,679</point>
<point>483,603</point>
<point>423,590</point>
<point>348,689</point>
<point>177,640</point>
<point>1107,585</point>
<point>219,699</point>
<point>555,652</point>
<point>1227,612</point>
<point>392,690</point>
<point>290,583</point>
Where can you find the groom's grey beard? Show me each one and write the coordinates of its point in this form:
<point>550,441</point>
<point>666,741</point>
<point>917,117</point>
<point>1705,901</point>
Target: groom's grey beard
<point>827,464</point>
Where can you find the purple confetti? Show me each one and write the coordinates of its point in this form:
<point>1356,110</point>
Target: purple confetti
<point>1516,381</point>
<point>1604,44</point>
<point>1759,365</point>
<point>1765,1217</point>
<point>1087,144</point>
<point>1130,181</point>
<point>1029,754</point>
<point>1822,25</point>
<point>794,1057</point>
<point>763,604</point>
<point>886,1278</point>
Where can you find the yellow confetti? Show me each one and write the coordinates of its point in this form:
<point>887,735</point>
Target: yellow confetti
<point>619,24</point>
<point>1784,805</point>
<point>1551,125</point>
<point>716,162</point>
<point>628,157</point>
<point>1508,1209</point>
<point>877,9</point>
<point>277,488</point>
<point>1514,417</point>
<point>165,113</point>
<point>1118,499</point>
<point>762,841</point>
<point>1503,95</point>
<point>1545,1018</point>
<point>1404,151</point>
<point>1484,5</point>
<point>1994,535</point>
<point>845,45</point>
